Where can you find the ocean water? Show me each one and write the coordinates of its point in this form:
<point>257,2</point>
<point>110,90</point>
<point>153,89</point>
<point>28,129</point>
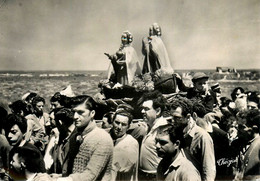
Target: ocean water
<point>14,84</point>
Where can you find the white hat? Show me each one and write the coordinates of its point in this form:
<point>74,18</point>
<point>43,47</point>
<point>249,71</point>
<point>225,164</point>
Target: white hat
<point>25,96</point>
<point>67,92</point>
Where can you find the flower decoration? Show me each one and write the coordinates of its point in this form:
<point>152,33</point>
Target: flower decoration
<point>79,139</point>
<point>105,83</point>
<point>143,83</point>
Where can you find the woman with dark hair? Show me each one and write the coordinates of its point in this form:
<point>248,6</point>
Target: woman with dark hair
<point>39,125</point>
<point>125,61</point>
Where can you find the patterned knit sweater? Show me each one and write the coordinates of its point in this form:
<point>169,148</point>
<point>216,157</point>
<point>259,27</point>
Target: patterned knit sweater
<point>94,159</point>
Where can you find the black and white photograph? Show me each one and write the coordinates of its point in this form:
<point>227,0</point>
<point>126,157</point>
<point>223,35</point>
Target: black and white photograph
<point>129,90</point>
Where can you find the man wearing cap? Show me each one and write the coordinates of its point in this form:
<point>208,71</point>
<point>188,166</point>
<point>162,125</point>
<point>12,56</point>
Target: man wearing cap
<point>201,91</point>
<point>216,89</point>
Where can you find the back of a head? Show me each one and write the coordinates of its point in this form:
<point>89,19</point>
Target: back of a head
<point>185,104</point>
<point>32,158</point>
<point>65,115</point>
<point>199,108</point>
<point>63,100</point>
<point>109,116</point>
<point>158,100</point>
<point>19,106</point>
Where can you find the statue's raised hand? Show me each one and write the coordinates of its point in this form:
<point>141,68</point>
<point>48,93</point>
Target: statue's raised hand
<point>109,56</point>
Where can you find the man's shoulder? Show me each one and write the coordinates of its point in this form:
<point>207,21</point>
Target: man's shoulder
<point>3,141</point>
<point>161,121</point>
<point>256,143</point>
<point>182,164</point>
<point>102,135</point>
<point>200,132</point>
<point>31,117</point>
<point>193,173</point>
<point>130,140</point>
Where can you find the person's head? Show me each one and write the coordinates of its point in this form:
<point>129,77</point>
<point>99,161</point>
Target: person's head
<point>200,81</point>
<point>168,140</point>
<point>181,110</point>
<point>224,102</point>
<point>153,104</point>
<point>15,129</point>
<point>155,29</point>
<point>64,118</point>
<point>125,107</point>
<point>107,120</point>
<point>236,92</point>
<point>216,88</point>
<point>84,110</point>
<point>253,100</point>
<point>56,101</point>
<point>19,107</point>
<point>26,159</point>
<point>38,104</point>
<point>126,38</point>
<point>28,98</point>
<point>121,122</point>
<point>198,109</point>
<point>252,125</point>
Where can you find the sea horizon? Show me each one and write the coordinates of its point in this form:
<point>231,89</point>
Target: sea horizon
<point>99,70</point>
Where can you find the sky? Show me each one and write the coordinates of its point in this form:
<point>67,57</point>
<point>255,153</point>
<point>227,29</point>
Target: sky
<point>73,35</point>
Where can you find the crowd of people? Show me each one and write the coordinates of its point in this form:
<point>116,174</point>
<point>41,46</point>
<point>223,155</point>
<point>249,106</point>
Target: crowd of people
<point>193,134</point>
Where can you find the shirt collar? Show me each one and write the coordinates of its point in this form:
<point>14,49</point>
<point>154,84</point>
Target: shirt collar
<point>89,128</point>
<point>176,163</point>
<point>116,141</point>
<point>31,177</point>
<point>159,122</point>
<point>190,129</point>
